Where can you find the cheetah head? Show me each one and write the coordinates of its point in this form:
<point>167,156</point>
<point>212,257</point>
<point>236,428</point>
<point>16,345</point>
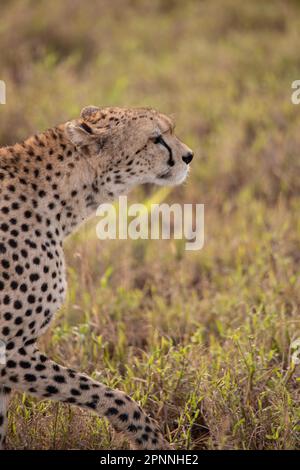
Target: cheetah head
<point>131,146</point>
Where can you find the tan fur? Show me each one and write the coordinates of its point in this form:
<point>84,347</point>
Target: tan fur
<point>50,184</point>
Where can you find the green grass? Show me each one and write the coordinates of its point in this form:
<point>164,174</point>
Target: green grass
<point>201,339</point>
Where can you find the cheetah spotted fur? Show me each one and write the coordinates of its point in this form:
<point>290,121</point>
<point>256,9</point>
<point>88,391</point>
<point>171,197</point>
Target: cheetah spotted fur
<point>49,185</point>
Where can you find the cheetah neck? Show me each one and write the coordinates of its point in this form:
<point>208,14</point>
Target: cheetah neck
<point>57,180</point>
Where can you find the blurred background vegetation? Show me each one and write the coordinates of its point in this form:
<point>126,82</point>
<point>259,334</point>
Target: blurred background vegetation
<point>202,339</point>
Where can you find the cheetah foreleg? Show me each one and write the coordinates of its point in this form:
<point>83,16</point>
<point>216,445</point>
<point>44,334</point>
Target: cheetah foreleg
<point>41,377</point>
<point>4,398</point>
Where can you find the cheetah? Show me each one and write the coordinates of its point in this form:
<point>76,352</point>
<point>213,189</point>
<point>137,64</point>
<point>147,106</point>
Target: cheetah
<point>50,184</point>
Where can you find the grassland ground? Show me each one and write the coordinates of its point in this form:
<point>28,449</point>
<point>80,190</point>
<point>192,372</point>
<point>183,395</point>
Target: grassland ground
<point>201,339</point>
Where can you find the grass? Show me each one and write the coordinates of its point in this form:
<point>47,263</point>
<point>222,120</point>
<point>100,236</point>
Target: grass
<point>201,339</point>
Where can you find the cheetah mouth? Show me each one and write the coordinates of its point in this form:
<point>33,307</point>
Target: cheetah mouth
<point>169,177</point>
<point>164,175</point>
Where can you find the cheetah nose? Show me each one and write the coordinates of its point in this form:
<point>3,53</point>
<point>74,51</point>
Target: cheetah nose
<point>188,157</point>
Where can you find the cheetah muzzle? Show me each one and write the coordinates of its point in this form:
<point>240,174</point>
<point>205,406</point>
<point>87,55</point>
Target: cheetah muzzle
<point>50,184</point>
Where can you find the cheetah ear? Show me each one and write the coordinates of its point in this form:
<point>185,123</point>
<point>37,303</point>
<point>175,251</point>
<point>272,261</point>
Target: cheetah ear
<point>79,132</point>
<point>89,112</point>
